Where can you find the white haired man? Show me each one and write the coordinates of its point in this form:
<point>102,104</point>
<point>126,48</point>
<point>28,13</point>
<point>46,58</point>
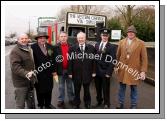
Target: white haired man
<point>81,69</point>
<point>22,66</point>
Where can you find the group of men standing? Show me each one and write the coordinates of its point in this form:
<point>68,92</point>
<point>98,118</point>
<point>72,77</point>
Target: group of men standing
<point>76,72</point>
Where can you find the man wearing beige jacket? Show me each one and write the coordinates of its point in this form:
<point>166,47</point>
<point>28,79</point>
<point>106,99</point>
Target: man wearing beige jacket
<point>132,67</point>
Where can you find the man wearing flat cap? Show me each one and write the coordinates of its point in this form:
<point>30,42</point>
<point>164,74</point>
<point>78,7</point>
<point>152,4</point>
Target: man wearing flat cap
<point>131,52</point>
<point>45,70</point>
<point>104,69</point>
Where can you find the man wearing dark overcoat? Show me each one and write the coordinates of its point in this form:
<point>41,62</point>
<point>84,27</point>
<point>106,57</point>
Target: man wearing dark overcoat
<point>81,69</point>
<point>45,69</point>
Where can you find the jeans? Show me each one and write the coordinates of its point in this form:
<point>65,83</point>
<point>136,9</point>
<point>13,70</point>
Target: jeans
<point>133,94</point>
<point>69,84</point>
<point>22,95</point>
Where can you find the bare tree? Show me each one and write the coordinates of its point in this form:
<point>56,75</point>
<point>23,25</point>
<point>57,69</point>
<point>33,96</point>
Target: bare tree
<point>148,15</point>
<point>128,13</point>
<point>30,33</point>
<point>63,12</point>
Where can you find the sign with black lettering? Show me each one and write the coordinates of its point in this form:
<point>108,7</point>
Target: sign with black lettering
<point>84,19</point>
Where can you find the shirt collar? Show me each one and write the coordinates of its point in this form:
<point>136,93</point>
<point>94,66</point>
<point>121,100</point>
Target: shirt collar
<point>129,39</point>
<point>44,45</point>
<point>64,44</point>
<point>104,43</point>
<point>82,45</point>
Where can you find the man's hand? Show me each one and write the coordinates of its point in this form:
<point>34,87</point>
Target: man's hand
<point>142,76</point>
<point>107,76</point>
<point>55,77</point>
<point>30,74</point>
<point>70,76</point>
<point>93,75</point>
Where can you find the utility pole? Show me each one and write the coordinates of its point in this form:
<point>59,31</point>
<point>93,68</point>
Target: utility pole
<point>29,27</point>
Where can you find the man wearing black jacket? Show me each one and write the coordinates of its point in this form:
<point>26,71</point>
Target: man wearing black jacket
<point>45,70</point>
<point>104,68</point>
<point>81,69</point>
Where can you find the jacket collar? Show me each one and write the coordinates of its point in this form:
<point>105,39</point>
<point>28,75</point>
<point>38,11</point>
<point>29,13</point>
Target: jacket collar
<point>23,47</point>
<point>59,44</point>
<point>98,44</point>
<point>133,46</point>
<point>78,48</point>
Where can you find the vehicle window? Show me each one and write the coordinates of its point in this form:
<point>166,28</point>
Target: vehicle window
<point>91,32</point>
<point>73,31</point>
<point>43,29</point>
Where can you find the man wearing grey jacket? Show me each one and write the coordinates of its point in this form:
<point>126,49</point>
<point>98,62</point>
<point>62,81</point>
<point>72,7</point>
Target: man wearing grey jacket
<point>22,66</point>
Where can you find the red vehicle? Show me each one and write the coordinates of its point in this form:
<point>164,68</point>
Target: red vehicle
<point>48,25</point>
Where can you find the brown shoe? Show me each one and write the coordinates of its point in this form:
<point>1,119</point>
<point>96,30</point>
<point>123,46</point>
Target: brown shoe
<point>120,106</point>
<point>60,104</point>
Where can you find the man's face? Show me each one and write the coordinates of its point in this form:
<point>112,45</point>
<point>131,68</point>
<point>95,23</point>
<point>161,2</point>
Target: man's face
<point>104,37</point>
<point>63,38</point>
<point>131,35</point>
<point>42,40</point>
<point>81,39</point>
<point>23,39</point>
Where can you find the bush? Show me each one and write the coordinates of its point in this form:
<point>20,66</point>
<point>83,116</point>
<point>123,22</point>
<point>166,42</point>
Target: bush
<point>145,31</point>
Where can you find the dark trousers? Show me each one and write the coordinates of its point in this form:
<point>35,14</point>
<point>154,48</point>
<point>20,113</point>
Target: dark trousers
<point>44,99</point>
<point>102,85</point>
<point>77,88</point>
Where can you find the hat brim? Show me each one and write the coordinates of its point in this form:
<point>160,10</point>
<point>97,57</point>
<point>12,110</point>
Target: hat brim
<point>42,36</point>
<point>105,34</point>
<point>131,31</point>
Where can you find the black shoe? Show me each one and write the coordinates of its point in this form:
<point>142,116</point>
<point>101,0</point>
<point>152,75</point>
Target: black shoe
<point>40,106</point>
<point>133,107</point>
<point>121,106</point>
<point>87,106</point>
<point>76,107</point>
<point>106,107</point>
<point>50,107</point>
<point>71,102</point>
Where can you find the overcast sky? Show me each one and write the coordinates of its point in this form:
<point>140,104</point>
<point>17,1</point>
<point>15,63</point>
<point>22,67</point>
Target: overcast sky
<point>17,17</point>
<point>19,14</point>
